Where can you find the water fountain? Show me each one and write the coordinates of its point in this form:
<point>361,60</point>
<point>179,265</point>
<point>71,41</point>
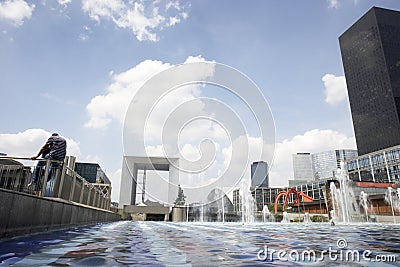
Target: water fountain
<point>223,207</point>
<point>366,205</point>
<point>202,212</point>
<point>248,203</point>
<point>267,216</point>
<point>345,208</point>
<point>333,220</point>
<point>285,218</point>
<point>187,213</point>
<point>307,218</point>
<point>393,199</point>
<point>219,204</point>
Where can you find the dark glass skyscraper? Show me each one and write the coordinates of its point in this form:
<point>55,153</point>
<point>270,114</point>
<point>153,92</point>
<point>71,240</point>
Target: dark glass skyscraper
<point>259,174</point>
<point>92,172</point>
<point>371,59</point>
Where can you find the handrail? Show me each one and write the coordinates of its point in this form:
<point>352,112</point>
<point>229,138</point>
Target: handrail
<point>24,158</point>
<point>17,177</point>
<point>86,182</point>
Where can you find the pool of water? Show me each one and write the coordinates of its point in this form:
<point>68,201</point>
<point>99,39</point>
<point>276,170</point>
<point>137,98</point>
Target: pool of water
<point>208,244</point>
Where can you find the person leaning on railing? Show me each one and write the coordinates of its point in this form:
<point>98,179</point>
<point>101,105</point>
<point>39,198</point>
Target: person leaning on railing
<point>54,149</point>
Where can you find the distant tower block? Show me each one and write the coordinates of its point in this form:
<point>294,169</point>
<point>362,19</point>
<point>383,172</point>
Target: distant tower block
<point>259,174</point>
<point>130,167</point>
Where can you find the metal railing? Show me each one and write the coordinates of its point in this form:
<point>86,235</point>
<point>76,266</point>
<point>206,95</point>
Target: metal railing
<point>54,179</point>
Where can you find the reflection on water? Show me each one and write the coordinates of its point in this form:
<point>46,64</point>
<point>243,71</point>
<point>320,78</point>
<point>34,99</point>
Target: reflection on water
<point>195,244</point>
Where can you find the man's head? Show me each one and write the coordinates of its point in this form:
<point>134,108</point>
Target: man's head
<point>54,134</point>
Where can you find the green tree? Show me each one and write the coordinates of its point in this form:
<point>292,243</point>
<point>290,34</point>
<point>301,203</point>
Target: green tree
<point>180,200</point>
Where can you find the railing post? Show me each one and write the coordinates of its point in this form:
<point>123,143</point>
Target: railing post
<point>71,195</point>
<point>99,200</point>
<point>63,173</point>
<point>88,197</point>
<point>71,164</point>
<point>94,197</point>
<point>82,189</point>
<point>18,178</point>
<point>46,176</point>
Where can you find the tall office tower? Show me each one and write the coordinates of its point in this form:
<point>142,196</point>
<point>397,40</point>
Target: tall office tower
<point>259,174</point>
<point>92,172</point>
<point>325,164</point>
<point>302,167</point>
<point>371,60</point>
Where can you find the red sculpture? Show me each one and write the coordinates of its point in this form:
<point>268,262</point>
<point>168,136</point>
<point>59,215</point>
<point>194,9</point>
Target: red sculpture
<point>296,202</point>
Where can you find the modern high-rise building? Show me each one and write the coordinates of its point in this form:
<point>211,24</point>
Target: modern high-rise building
<point>325,164</point>
<point>370,51</point>
<point>259,174</point>
<point>302,168</point>
<point>92,172</point>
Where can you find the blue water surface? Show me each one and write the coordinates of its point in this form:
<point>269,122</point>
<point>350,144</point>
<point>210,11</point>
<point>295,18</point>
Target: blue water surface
<point>207,244</point>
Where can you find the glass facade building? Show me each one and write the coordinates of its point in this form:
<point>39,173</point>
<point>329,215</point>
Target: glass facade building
<point>302,168</point>
<point>325,164</point>
<point>259,174</point>
<point>92,172</point>
<point>381,166</point>
<point>371,60</point>
<point>266,196</point>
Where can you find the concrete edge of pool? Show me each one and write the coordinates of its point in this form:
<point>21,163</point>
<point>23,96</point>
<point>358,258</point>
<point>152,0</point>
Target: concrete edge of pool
<point>21,213</point>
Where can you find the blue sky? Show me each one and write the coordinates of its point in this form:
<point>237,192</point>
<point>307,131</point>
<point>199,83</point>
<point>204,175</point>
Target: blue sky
<point>57,56</point>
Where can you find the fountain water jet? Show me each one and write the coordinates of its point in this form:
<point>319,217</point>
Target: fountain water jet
<point>333,217</point>
<point>248,203</point>
<point>267,216</point>
<point>285,218</point>
<point>187,213</point>
<point>392,198</point>
<point>366,205</point>
<point>223,206</point>
<point>345,208</point>
<point>307,218</point>
<point>202,212</point>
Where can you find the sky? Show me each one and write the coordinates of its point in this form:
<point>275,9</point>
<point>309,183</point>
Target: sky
<point>73,67</point>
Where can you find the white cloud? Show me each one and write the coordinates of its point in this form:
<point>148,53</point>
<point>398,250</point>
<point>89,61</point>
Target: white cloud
<point>86,31</point>
<point>93,159</point>
<point>143,20</point>
<point>333,4</point>
<point>311,141</point>
<point>103,109</point>
<point>194,59</point>
<point>336,3</point>
<point>173,4</point>
<point>64,2</point>
<point>335,88</point>
<point>102,8</point>
<point>16,11</point>
<point>29,142</point>
<point>173,21</point>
